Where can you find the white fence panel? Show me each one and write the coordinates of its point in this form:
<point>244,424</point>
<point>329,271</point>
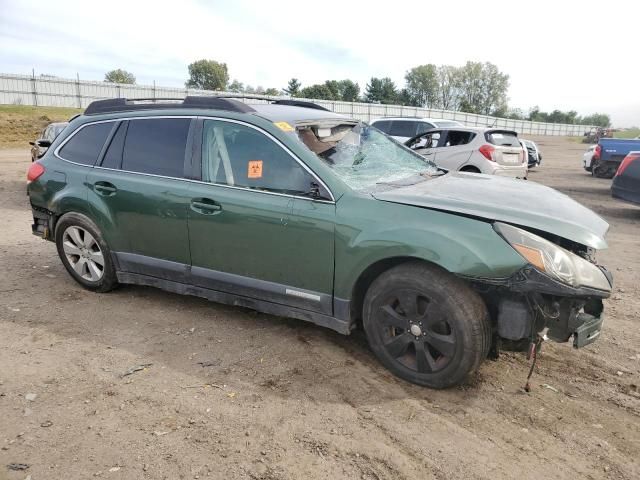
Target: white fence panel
<point>62,92</point>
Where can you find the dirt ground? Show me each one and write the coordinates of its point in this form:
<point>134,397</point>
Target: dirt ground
<point>228,393</point>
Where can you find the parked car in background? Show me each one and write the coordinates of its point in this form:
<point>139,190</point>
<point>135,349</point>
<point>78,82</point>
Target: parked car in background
<point>48,135</point>
<point>609,153</point>
<point>404,128</point>
<point>290,209</point>
<point>587,157</point>
<point>473,149</point>
<point>626,183</point>
<point>534,155</point>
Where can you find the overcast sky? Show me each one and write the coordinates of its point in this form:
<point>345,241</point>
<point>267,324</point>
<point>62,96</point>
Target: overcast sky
<point>579,55</point>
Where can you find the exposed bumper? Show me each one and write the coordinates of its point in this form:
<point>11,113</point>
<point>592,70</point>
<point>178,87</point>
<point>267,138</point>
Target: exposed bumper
<point>529,301</point>
<point>42,223</point>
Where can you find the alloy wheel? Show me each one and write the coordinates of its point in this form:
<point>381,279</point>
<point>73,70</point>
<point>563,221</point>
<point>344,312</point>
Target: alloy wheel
<point>83,253</point>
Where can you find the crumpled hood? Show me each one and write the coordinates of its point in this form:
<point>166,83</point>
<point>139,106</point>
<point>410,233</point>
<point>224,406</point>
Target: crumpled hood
<point>518,202</point>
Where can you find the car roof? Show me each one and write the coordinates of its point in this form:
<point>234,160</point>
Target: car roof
<point>292,114</point>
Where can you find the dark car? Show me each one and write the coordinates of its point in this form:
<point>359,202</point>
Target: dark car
<point>534,155</point>
<point>626,183</point>
<point>49,134</point>
<point>294,210</point>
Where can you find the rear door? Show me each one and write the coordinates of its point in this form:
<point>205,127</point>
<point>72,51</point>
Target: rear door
<point>455,150</point>
<point>141,198</point>
<point>508,151</point>
<point>255,231</point>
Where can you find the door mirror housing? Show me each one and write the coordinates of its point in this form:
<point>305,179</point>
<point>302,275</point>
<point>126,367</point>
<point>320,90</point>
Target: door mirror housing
<point>43,143</point>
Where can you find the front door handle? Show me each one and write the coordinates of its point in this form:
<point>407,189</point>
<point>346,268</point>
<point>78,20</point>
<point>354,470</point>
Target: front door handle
<point>105,188</point>
<point>205,206</point>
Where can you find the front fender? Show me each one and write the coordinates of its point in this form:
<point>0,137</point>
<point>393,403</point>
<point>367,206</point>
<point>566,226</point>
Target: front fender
<point>378,230</point>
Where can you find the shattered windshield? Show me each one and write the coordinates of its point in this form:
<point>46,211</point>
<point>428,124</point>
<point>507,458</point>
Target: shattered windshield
<point>365,158</point>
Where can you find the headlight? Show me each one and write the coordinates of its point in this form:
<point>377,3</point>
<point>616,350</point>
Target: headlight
<point>553,260</point>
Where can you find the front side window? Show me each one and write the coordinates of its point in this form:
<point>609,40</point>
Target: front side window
<point>424,126</point>
<point>156,146</point>
<point>383,126</point>
<point>241,156</point>
<point>85,146</point>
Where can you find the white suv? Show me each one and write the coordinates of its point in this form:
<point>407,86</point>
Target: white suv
<point>403,128</point>
<point>468,149</point>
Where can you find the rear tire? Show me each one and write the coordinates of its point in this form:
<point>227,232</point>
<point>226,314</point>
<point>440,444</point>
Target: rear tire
<point>84,253</point>
<point>426,325</point>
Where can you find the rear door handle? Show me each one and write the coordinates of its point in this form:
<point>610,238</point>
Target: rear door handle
<point>205,206</point>
<point>105,188</point>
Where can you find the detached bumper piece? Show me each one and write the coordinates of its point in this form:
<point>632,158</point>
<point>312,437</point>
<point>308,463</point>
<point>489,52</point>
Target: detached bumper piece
<point>589,331</point>
<point>42,223</point>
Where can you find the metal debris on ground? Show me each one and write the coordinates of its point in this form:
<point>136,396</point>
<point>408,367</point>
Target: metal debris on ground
<point>553,389</point>
<point>137,368</point>
<point>17,466</point>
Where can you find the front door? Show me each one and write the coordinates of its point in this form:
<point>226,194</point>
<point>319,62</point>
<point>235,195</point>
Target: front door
<point>255,229</point>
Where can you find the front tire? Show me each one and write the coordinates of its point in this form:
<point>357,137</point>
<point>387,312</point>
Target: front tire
<point>84,253</point>
<point>425,325</point>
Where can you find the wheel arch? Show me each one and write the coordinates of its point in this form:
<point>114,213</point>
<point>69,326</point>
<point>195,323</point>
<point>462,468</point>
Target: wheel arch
<point>373,271</point>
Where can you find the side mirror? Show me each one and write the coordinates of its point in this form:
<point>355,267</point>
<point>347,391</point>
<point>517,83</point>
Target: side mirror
<point>43,143</point>
<point>32,143</point>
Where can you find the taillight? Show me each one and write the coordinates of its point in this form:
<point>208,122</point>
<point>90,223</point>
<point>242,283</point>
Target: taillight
<point>487,151</point>
<point>596,152</point>
<point>35,171</point>
<point>630,158</point>
<point>523,155</point>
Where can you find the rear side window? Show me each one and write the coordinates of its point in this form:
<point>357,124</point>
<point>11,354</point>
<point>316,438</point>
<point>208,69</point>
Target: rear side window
<point>457,138</point>
<point>156,146</point>
<point>503,139</point>
<point>85,146</point>
<point>383,125</point>
<point>401,128</point>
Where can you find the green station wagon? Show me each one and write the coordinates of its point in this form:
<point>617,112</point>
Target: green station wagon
<point>290,209</point>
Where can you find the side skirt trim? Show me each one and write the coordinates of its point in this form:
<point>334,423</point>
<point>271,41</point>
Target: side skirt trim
<point>341,326</point>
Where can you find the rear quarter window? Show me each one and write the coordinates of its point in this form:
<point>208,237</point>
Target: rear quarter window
<point>503,139</point>
<point>85,145</point>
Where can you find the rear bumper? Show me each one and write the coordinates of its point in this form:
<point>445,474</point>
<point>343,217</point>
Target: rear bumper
<point>519,171</point>
<point>625,194</point>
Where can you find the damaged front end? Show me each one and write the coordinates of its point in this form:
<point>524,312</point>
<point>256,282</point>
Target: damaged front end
<point>558,295</point>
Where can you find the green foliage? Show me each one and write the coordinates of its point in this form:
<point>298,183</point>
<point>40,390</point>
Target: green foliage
<point>381,90</point>
<point>483,88</point>
<point>344,90</point>
<point>274,92</point>
<point>570,117</point>
<point>120,76</point>
<point>236,87</point>
<point>208,75</point>
<point>293,87</point>
<point>422,86</point>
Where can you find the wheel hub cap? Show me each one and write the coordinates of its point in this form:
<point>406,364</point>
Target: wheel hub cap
<point>416,331</point>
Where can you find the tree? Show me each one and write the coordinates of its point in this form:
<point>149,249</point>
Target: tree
<point>381,90</point>
<point>422,85</point>
<point>349,91</point>
<point>448,87</point>
<point>208,75</point>
<point>319,91</point>
<point>120,76</point>
<point>483,88</point>
<point>274,92</point>
<point>598,119</point>
<point>293,87</point>
<point>236,87</point>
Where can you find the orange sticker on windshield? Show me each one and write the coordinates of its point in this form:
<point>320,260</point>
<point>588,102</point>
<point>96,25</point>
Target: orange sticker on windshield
<point>255,169</point>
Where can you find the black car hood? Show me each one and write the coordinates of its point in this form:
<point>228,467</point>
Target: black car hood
<point>518,202</point>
